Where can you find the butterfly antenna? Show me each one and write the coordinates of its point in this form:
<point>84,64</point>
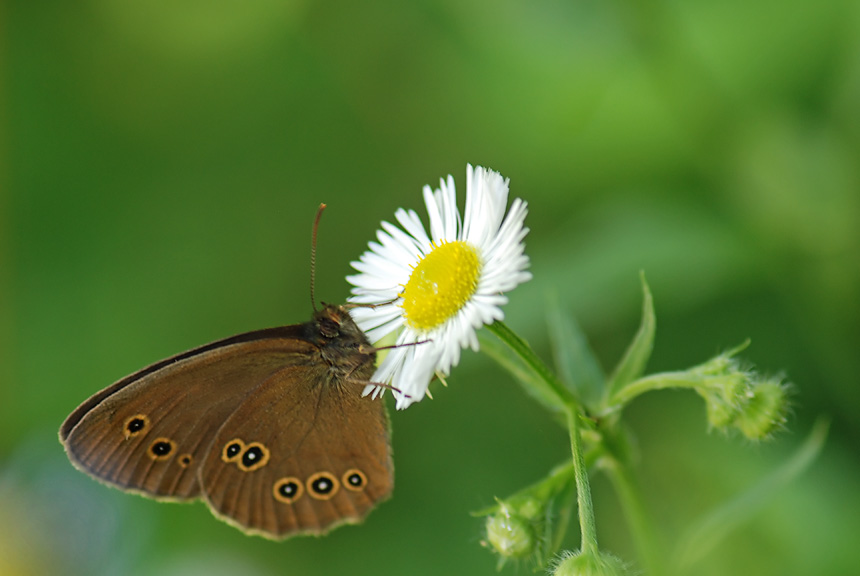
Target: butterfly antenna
<point>314,254</point>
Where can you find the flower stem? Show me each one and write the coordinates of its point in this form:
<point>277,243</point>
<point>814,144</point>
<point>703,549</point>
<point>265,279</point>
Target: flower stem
<point>679,379</point>
<point>583,488</point>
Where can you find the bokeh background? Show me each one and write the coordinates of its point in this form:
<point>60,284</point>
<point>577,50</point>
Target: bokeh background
<point>162,162</point>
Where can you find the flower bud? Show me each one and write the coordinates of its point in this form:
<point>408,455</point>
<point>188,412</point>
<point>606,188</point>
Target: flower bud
<point>510,534</point>
<point>739,398</point>
<point>589,564</point>
<point>724,397</point>
<point>764,412</point>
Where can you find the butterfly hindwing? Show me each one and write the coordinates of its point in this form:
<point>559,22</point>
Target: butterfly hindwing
<point>304,454</point>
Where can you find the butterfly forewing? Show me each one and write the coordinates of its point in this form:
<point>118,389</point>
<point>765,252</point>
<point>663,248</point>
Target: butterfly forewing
<point>152,431</point>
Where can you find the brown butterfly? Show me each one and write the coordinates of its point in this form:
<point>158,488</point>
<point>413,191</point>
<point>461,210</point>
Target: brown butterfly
<point>268,427</point>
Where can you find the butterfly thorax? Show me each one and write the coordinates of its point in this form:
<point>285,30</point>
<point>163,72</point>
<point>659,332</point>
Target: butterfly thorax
<point>342,344</point>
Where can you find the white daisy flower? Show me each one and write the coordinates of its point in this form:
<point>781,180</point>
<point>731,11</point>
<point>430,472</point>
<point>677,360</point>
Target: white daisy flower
<point>439,289</point>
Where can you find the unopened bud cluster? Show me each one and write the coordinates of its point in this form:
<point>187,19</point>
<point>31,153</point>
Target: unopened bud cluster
<point>511,530</point>
<point>741,399</point>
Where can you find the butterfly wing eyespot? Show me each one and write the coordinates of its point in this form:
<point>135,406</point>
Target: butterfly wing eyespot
<point>354,479</point>
<point>254,457</point>
<point>161,449</point>
<point>135,426</point>
<point>288,490</point>
<point>185,460</point>
<point>323,485</point>
<point>232,450</point>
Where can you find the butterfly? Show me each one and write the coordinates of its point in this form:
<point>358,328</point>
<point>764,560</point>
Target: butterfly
<point>269,428</point>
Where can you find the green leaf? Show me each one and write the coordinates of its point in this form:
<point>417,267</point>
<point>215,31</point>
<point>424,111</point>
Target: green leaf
<point>708,532</point>
<point>532,382</point>
<point>636,357</point>
<point>575,362</point>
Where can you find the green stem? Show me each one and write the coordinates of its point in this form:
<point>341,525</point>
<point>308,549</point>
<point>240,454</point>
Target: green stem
<point>719,366</point>
<point>583,488</point>
<point>680,379</point>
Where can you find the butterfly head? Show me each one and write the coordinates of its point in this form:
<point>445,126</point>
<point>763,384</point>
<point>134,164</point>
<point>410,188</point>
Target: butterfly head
<point>339,338</point>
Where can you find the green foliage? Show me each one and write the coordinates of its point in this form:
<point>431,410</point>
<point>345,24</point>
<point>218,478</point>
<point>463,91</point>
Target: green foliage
<point>575,362</point>
<point>632,364</point>
<point>734,397</point>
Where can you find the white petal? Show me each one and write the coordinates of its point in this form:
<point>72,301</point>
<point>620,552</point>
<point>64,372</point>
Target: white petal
<point>412,224</point>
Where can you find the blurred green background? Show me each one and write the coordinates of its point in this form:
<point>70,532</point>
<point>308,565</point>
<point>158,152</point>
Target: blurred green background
<point>161,165</point>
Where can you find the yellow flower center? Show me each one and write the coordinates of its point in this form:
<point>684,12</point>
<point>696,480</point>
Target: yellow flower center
<point>440,284</point>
